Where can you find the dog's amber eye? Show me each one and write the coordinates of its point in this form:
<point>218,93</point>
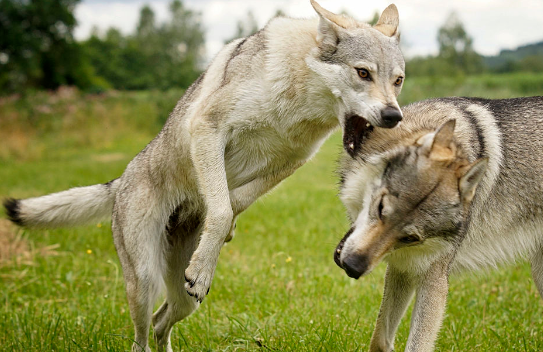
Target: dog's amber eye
<point>409,239</point>
<point>363,73</point>
<point>399,81</point>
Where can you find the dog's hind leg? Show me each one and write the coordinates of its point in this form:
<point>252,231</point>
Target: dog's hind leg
<point>537,269</point>
<point>231,234</point>
<point>182,241</point>
<point>137,234</point>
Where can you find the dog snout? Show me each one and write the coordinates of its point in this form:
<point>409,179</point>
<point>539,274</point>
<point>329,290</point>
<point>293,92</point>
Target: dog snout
<point>355,265</point>
<point>390,117</point>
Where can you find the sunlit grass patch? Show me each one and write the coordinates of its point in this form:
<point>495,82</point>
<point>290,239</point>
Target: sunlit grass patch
<point>276,287</point>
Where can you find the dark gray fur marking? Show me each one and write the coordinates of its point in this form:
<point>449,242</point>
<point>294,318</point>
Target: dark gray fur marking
<point>255,44</point>
<point>482,150</point>
<point>109,183</point>
<point>180,223</point>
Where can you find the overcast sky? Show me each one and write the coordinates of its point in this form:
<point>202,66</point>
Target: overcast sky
<point>493,24</point>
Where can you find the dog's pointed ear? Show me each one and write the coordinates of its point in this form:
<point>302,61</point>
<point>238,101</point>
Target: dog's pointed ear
<point>442,148</point>
<point>439,145</point>
<point>471,175</point>
<point>330,26</point>
<point>389,22</point>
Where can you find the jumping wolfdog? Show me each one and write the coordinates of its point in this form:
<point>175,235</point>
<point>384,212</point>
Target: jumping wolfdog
<point>260,111</point>
<point>459,185</point>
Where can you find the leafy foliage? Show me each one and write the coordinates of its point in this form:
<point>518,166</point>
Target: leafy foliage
<point>156,56</point>
<point>526,58</point>
<point>37,48</point>
<point>457,57</point>
<point>456,54</point>
<point>456,46</point>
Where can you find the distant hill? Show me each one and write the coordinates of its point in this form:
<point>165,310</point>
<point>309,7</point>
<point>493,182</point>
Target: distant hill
<point>506,57</point>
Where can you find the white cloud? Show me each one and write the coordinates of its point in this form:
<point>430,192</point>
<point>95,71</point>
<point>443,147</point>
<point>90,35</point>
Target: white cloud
<point>494,24</point>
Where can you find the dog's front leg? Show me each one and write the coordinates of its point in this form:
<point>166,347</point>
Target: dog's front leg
<point>429,307</point>
<point>207,152</point>
<point>398,292</point>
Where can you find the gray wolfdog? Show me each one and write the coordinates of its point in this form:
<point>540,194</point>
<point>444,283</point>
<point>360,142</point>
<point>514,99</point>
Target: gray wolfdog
<point>459,185</point>
<point>259,112</point>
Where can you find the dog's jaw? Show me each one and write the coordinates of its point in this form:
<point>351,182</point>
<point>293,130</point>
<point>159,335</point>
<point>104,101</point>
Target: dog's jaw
<point>356,129</point>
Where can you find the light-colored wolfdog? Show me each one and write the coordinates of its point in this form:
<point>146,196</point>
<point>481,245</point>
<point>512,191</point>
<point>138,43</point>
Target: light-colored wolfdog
<point>459,185</point>
<point>260,111</point>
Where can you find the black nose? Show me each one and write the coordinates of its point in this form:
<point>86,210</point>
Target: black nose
<point>390,116</point>
<point>355,265</point>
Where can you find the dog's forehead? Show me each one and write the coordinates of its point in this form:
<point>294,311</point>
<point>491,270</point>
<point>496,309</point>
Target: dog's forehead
<point>409,172</point>
<point>368,44</point>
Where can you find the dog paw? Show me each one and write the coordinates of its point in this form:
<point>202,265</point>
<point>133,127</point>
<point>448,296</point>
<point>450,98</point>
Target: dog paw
<point>198,280</point>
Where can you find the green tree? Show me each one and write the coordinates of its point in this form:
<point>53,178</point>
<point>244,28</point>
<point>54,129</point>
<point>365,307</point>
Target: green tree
<point>375,18</point>
<point>182,46</point>
<point>456,47</point>
<point>155,56</point>
<point>531,63</point>
<point>106,56</point>
<point>37,47</point>
<point>146,25</point>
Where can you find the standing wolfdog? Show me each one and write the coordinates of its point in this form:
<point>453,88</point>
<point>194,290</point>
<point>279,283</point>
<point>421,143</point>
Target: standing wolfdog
<point>260,111</point>
<point>431,200</point>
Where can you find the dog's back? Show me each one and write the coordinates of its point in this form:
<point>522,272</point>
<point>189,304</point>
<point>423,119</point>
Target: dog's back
<point>507,213</point>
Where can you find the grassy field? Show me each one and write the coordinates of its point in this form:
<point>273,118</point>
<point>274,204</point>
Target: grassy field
<point>276,287</point>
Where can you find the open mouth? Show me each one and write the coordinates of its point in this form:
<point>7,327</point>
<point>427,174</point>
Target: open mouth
<point>339,247</point>
<point>337,253</point>
<point>356,130</point>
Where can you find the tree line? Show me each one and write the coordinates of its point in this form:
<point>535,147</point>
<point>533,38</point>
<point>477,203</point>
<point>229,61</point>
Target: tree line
<point>38,50</point>
<point>457,57</point>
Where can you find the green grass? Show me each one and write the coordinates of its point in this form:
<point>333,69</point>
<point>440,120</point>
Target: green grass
<point>276,287</point>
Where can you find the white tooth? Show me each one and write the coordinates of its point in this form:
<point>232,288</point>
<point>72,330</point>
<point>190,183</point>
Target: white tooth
<point>351,145</point>
<point>368,124</point>
<point>338,251</point>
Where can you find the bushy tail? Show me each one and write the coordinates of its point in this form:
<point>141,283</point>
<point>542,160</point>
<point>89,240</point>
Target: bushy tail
<point>76,206</point>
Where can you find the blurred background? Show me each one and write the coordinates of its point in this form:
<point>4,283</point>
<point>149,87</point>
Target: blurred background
<point>85,85</point>
<point>66,65</point>
<point>97,45</point>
